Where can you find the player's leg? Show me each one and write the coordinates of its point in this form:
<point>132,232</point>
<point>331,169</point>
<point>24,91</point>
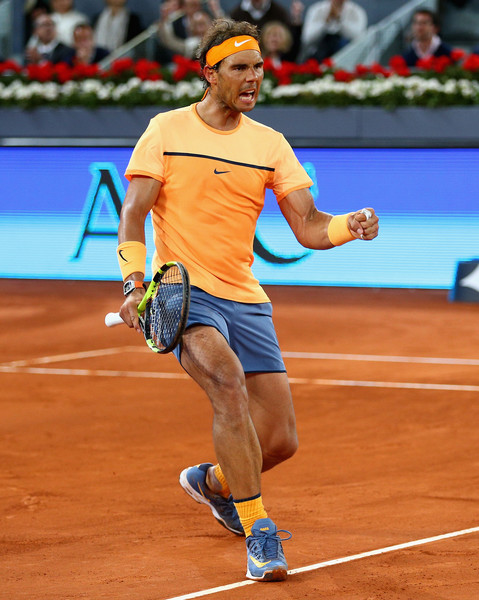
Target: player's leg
<point>209,360</point>
<point>207,357</point>
<point>272,412</point>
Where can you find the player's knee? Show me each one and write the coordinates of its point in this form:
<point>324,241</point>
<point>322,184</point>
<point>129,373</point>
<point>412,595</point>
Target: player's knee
<point>230,398</point>
<point>279,450</point>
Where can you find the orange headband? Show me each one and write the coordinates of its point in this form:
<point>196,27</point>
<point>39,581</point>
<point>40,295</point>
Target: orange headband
<point>229,47</point>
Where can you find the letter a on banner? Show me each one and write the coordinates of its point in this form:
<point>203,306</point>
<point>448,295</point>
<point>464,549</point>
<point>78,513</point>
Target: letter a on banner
<point>106,189</point>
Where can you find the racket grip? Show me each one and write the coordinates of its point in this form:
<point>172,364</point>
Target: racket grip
<point>112,319</point>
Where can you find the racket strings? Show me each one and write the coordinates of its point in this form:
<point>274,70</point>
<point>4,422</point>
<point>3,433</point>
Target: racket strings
<point>166,311</point>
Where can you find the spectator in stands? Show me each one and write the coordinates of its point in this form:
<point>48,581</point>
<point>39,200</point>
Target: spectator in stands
<point>66,19</point>
<point>329,25</point>
<point>260,12</point>
<point>426,42</point>
<point>44,46</point>
<point>32,10</point>
<point>198,24</point>
<point>116,25</point>
<point>182,24</point>
<point>86,52</point>
<point>277,43</point>
<point>169,11</point>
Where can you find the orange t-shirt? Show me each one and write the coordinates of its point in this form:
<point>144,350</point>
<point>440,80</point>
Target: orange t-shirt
<point>213,188</point>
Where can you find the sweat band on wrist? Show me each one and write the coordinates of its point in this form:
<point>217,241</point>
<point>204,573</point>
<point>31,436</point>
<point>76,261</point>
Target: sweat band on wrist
<point>131,258</point>
<point>338,230</point>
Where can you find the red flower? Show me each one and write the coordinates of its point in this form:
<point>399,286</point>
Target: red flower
<point>471,62</point>
<point>399,66</point>
<point>361,70</point>
<point>184,66</point>
<point>268,64</point>
<point>457,54</point>
<point>434,63</point>
<point>42,73</point>
<point>283,73</point>
<point>147,69</point>
<point>84,71</point>
<point>397,63</point>
<point>341,75</point>
<point>425,63</point>
<point>406,72</point>
<point>9,66</point>
<point>379,70</point>
<point>121,65</point>
<point>310,67</point>
<point>441,63</point>
<point>62,72</point>
<point>328,63</point>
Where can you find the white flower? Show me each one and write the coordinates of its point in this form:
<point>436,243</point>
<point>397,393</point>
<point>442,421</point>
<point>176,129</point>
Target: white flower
<point>155,86</point>
<point>322,90</point>
<point>90,86</point>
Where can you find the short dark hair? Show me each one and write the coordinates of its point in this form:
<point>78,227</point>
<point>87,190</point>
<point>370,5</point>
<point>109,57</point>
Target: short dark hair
<point>82,25</point>
<point>220,31</point>
<point>431,14</point>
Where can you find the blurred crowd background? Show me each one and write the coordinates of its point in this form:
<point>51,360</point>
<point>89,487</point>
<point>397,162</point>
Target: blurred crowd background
<point>100,31</point>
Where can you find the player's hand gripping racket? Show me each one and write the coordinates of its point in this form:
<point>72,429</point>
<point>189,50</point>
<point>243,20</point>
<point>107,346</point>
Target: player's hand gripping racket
<point>163,312</point>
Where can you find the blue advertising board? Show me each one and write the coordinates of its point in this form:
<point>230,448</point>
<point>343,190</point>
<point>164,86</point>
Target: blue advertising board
<point>59,216</point>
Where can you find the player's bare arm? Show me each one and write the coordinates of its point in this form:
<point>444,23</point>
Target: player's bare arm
<point>310,225</point>
<point>139,200</point>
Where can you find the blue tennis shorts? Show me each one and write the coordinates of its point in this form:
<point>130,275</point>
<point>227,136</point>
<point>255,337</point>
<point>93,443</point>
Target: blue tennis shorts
<point>248,329</point>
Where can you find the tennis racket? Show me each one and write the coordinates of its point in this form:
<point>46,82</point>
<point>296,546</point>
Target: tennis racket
<point>163,312</point>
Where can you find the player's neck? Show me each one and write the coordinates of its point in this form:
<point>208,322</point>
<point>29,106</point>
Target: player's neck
<point>217,115</point>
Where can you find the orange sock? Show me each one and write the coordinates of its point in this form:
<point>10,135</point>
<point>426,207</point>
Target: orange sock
<point>225,490</point>
<point>249,511</point>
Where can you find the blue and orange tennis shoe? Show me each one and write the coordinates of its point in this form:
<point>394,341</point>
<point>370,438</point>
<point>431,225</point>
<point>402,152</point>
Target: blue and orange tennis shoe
<point>266,561</point>
<point>193,481</point>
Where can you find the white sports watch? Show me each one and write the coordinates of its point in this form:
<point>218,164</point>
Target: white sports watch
<point>130,285</point>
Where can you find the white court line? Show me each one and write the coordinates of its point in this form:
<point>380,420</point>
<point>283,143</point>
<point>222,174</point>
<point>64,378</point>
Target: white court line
<point>94,373</point>
<point>305,355</point>
<point>448,387</point>
<point>293,380</point>
<point>43,360</point>
<point>383,358</point>
<point>336,561</point>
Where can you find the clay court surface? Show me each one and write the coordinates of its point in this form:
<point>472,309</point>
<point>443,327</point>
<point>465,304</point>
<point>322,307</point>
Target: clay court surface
<point>95,429</point>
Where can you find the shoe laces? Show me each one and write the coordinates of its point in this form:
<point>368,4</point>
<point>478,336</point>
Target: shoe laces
<point>269,545</point>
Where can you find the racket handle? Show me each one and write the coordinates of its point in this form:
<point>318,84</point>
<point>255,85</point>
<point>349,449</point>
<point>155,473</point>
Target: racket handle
<point>112,319</point>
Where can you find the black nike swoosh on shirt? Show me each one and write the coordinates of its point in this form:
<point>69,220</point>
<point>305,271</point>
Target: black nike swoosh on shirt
<point>221,172</point>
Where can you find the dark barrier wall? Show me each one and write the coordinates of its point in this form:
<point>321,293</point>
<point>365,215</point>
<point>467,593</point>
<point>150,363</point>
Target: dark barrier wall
<point>303,126</point>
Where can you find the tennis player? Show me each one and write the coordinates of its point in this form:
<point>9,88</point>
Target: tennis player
<point>202,171</point>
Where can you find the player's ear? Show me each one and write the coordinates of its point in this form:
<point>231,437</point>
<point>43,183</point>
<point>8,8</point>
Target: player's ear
<point>210,74</point>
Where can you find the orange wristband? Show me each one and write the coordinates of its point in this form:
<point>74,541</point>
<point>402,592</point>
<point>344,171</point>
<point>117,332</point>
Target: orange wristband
<point>131,258</point>
<point>338,230</point>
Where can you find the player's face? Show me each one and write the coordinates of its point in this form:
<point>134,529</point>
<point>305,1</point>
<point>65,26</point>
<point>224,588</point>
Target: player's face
<point>238,80</point>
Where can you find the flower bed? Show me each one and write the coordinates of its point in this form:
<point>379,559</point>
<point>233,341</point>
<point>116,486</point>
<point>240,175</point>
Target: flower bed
<point>435,83</point>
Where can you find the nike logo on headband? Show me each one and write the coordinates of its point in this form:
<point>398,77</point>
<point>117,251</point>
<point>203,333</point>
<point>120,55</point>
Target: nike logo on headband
<point>238,44</point>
